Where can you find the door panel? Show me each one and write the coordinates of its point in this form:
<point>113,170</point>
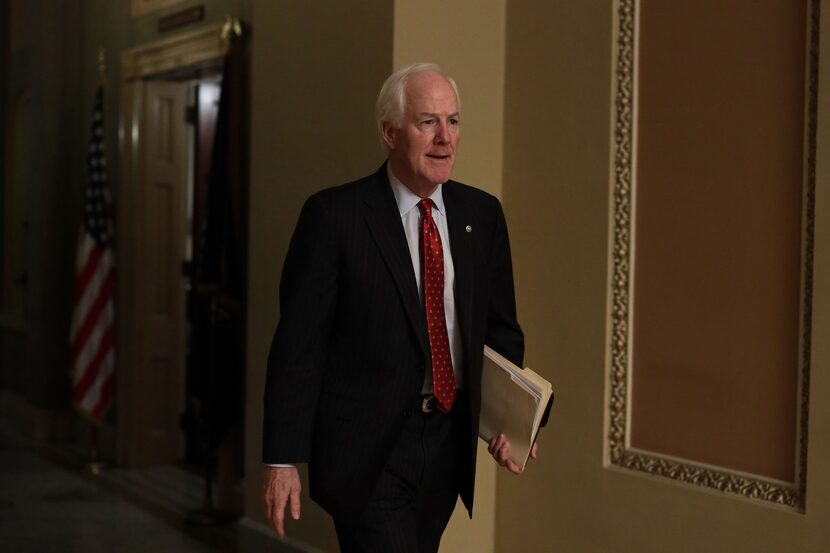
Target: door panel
<point>153,400</point>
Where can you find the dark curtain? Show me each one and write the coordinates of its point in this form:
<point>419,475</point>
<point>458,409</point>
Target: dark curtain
<point>220,265</point>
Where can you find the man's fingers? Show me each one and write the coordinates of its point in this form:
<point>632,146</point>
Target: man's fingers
<point>282,488</point>
<point>276,513</point>
<point>279,518</point>
<point>499,448</point>
<point>270,509</point>
<point>513,467</point>
<point>294,502</point>
<point>279,513</point>
<point>496,444</point>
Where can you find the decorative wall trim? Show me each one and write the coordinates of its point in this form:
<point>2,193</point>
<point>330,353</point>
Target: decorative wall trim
<point>619,454</point>
<point>188,49</point>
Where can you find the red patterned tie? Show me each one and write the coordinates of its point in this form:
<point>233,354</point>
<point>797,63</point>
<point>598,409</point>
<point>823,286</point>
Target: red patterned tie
<point>432,258</point>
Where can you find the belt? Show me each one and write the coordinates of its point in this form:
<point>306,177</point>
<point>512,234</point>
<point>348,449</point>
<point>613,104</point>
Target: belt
<point>428,403</point>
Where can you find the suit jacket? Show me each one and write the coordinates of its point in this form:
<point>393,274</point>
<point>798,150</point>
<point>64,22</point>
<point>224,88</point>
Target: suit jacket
<point>347,360</point>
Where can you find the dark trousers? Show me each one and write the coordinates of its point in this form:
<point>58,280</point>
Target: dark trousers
<point>417,490</point>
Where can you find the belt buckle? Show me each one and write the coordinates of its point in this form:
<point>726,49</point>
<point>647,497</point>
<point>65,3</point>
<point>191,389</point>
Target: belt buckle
<point>426,407</point>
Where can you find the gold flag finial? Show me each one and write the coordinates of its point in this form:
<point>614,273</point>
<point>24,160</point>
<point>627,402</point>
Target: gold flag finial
<point>232,25</point>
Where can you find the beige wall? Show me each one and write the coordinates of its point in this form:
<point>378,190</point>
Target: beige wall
<point>556,192</point>
<point>556,199</point>
<point>314,80</point>
<point>466,38</point>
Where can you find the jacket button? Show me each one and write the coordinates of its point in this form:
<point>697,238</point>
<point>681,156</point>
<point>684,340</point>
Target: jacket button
<point>407,412</point>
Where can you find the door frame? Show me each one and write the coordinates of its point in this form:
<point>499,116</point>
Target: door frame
<point>190,51</point>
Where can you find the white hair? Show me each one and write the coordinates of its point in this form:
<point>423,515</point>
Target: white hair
<point>391,103</point>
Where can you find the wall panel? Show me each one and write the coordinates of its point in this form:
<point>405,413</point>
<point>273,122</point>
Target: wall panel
<point>713,243</point>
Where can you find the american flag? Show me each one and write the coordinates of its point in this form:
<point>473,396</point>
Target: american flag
<point>93,323</point>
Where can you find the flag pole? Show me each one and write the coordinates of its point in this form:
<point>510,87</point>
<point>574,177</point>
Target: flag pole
<point>96,235</point>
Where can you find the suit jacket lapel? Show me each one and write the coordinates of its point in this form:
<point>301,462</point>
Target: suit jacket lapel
<point>461,242</point>
<point>384,223</point>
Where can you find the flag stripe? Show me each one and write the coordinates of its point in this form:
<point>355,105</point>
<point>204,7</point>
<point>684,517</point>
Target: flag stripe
<point>84,246</point>
<point>92,291</point>
<point>92,344</point>
<point>91,319</point>
<point>92,397</point>
<point>89,267</point>
<point>89,288</point>
<point>91,370</point>
<point>105,398</point>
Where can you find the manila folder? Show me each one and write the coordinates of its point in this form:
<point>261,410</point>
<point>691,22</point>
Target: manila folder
<point>515,402</point>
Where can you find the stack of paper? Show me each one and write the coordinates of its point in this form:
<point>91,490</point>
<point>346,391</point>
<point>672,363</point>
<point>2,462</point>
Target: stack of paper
<point>515,402</point>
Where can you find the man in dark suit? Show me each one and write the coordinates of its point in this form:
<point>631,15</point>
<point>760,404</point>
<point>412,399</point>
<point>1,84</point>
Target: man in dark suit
<point>391,287</point>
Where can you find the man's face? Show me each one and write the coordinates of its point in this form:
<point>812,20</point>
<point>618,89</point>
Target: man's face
<point>422,151</point>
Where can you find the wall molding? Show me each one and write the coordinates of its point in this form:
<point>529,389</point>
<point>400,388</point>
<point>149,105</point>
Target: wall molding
<point>618,453</point>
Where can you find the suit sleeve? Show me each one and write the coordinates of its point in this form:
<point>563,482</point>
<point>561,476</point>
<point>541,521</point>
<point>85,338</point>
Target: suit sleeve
<point>503,332</point>
<point>299,349</point>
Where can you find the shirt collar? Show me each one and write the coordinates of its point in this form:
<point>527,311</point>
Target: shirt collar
<point>406,199</point>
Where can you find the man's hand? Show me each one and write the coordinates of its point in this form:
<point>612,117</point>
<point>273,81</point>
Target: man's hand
<point>281,485</point>
<point>499,448</point>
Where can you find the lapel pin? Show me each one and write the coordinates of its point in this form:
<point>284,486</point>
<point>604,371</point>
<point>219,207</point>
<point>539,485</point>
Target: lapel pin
<point>469,228</point>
